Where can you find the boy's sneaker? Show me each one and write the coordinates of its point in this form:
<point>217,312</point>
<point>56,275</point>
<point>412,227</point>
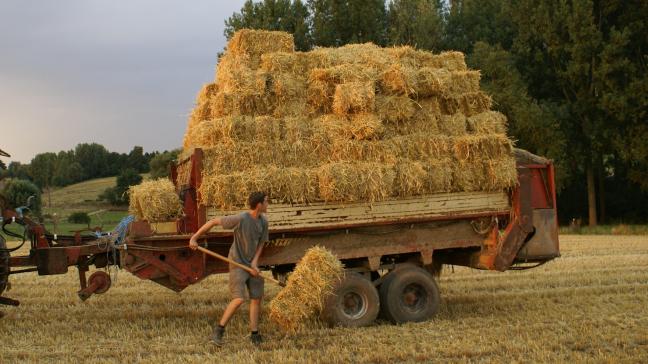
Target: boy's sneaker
<point>256,338</point>
<point>217,336</point>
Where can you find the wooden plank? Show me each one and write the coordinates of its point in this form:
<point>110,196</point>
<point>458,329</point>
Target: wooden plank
<point>433,206</point>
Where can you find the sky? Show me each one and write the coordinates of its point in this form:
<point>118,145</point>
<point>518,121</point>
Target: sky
<point>118,73</point>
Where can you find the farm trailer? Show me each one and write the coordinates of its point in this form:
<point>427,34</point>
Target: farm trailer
<point>392,250</point>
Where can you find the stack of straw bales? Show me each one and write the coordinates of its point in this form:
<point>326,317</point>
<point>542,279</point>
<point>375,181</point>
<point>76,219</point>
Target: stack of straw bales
<point>355,123</point>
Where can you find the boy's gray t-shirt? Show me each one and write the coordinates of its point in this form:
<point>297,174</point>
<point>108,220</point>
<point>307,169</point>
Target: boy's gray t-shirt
<point>248,234</point>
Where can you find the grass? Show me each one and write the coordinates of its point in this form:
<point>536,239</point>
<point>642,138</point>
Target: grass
<point>587,306</point>
<point>80,197</point>
<point>615,229</point>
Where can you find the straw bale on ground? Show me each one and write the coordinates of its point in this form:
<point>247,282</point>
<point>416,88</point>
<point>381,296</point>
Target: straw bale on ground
<point>307,289</point>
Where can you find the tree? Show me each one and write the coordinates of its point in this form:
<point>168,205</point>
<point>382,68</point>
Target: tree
<point>339,22</point>
<point>532,124</point>
<point>137,161</point>
<point>470,21</point>
<point>118,195</point>
<point>576,56</point>
<point>286,15</point>
<point>42,169</point>
<point>159,165</point>
<point>416,22</point>
<point>16,193</point>
<point>18,170</point>
<point>93,158</point>
<point>80,218</point>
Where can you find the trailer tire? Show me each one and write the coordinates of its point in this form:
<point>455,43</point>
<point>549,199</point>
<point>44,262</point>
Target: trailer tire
<point>4,265</point>
<point>355,303</point>
<point>409,294</point>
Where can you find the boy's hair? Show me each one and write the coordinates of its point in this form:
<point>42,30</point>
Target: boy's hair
<point>255,199</point>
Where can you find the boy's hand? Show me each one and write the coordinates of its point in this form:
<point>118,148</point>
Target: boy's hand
<point>255,270</point>
<point>193,244</point>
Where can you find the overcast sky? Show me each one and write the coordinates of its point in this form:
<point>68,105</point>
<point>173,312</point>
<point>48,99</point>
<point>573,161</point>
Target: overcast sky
<point>119,73</point>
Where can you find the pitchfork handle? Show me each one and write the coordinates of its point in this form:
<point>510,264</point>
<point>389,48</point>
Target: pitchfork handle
<point>242,266</point>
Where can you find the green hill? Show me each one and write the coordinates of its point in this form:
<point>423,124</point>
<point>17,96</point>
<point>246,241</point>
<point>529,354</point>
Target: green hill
<point>81,197</point>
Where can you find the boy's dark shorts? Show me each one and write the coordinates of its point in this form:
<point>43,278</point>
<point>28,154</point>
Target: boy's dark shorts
<point>240,281</point>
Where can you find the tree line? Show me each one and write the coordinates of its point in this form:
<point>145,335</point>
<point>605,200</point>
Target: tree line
<point>86,161</point>
<point>571,76</point>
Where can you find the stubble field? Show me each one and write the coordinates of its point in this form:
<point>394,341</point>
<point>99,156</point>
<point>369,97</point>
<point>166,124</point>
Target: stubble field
<point>589,305</point>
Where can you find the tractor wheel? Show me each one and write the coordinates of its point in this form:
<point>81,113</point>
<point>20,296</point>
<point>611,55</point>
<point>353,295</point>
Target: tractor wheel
<point>354,303</point>
<point>409,294</point>
<point>4,265</point>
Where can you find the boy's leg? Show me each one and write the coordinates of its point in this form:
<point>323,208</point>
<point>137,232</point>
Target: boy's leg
<point>230,310</point>
<point>255,285</point>
<point>255,309</point>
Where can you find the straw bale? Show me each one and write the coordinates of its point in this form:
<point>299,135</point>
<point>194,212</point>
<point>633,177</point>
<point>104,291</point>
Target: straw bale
<point>291,108</point>
<point>501,173</point>
<point>360,181</point>
<point>394,109</point>
<point>453,125</point>
<point>184,174</point>
<point>410,178</point>
<point>439,174</point>
<point>421,146</point>
<point>468,177</point>
<point>487,122</point>
<point>405,55</point>
<point>367,54</point>
<point>284,185</point>
<point>452,60</point>
<point>202,110</point>
<point>251,44</point>
<point>235,75</point>
<point>462,82</point>
<point>285,62</point>
<point>307,289</point>
<point>376,151</point>
<point>472,103</point>
<point>344,73</point>
<point>242,103</point>
<point>432,81</point>
<point>363,126</point>
<point>288,86</point>
<point>154,201</point>
<point>354,97</point>
<point>399,79</point>
<point>485,174</point>
<point>469,148</point>
<point>450,105</point>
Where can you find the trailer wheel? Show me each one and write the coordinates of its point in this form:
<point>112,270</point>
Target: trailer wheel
<point>409,294</point>
<point>354,303</point>
<point>4,265</point>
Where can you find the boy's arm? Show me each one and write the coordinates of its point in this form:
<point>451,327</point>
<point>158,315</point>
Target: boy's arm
<point>193,243</point>
<point>264,238</point>
<point>255,260</point>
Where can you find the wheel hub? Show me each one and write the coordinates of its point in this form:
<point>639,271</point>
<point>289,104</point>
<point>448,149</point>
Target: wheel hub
<point>414,297</point>
<point>354,305</point>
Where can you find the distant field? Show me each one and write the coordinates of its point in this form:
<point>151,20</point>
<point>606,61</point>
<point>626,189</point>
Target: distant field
<point>587,306</point>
